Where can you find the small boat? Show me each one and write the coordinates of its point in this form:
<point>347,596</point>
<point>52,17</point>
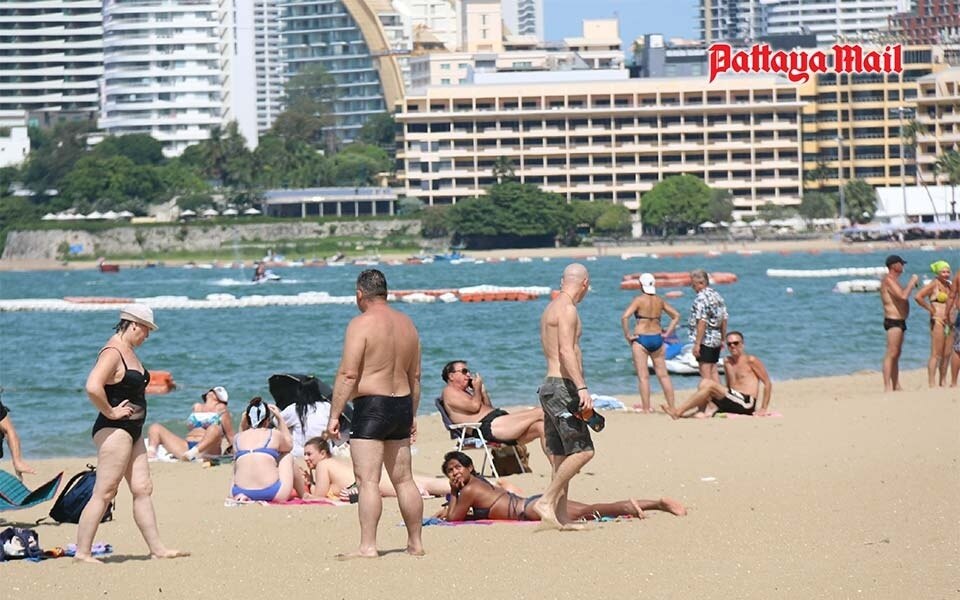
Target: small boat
<point>267,276</point>
<point>109,268</point>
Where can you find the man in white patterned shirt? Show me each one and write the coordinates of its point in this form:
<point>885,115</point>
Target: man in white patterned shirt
<point>708,325</point>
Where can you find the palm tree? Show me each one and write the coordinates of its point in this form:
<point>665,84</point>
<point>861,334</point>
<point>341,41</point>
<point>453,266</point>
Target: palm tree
<point>948,164</point>
<point>908,135</point>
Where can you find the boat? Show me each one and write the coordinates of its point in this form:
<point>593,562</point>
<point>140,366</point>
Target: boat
<point>267,276</point>
<point>109,267</point>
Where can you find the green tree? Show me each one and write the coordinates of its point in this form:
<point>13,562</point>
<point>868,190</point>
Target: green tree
<point>860,201</point>
<point>435,222</point>
<point>615,221</point>
<point>819,174</point>
<point>140,148</point>
<point>677,203</point>
<point>503,170</point>
<point>586,213</point>
<point>308,101</point>
<point>409,206</point>
<point>721,205</point>
<point>380,131</point>
<point>771,211</point>
<point>511,214</point>
<point>948,166</point>
<point>54,153</point>
<point>114,183</point>
<point>358,164</point>
<point>818,205</point>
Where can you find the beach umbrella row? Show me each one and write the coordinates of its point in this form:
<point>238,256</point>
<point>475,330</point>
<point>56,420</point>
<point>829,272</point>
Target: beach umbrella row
<point>211,212</point>
<point>94,216</point>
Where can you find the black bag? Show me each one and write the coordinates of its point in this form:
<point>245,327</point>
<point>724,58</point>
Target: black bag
<point>75,496</point>
<point>16,542</point>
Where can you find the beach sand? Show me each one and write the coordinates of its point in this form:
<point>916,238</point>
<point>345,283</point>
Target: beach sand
<point>851,494</point>
<point>692,247</point>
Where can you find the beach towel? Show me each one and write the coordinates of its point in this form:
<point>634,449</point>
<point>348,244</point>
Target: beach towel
<point>230,502</point>
<point>606,402</point>
<point>14,495</point>
<point>772,414</point>
<point>428,521</point>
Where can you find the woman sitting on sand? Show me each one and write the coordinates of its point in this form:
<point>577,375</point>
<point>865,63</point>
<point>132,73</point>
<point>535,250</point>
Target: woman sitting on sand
<point>329,477</point>
<point>209,423</point>
<point>262,463</point>
<point>470,492</point>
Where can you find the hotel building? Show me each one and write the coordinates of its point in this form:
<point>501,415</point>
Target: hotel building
<point>938,110</point>
<point>269,62</point>
<point>52,59</point>
<point>851,123</point>
<point>930,22</point>
<point>524,17</point>
<point>597,135</point>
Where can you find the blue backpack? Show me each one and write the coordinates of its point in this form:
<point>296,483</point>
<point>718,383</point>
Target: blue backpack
<point>19,543</point>
<point>75,496</point>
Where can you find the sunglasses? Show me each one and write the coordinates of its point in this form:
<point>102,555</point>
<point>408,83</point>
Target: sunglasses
<point>734,343</point>
<point>464,371</point>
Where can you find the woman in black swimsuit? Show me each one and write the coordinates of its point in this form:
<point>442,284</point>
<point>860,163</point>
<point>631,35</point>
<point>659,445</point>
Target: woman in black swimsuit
<point>116,387</point>
<point>488,501</point>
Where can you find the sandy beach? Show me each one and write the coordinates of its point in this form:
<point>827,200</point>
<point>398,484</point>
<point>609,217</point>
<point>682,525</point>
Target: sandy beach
<point>680,247</point>
<point>849,494</point>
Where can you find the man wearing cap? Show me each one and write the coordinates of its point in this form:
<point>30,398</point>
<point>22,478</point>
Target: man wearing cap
<point>380,373</point>
<point>896,308</point>
<point>209,423</point>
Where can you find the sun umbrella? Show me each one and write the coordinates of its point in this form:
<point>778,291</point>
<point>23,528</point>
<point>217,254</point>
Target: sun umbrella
<point>187,213</point>
<point>251,211</point>
<point>230,212</point>
<point>210,213</point>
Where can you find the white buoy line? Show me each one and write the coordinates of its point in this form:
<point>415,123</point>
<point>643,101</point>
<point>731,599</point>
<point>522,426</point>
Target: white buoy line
<point>857,286</point>
<point>839,272</point>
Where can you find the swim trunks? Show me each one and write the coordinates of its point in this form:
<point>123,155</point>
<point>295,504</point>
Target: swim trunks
<point>486,427</point>
<point>709,355</point>
<point>562,435</point>
<point>382,417</point>
<point>736,402</point>
<point>891,323</point>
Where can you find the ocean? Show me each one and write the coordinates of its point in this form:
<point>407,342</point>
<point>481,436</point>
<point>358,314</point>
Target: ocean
<point>46,355</point>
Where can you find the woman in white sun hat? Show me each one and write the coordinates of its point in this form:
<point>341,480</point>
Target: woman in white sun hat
<point>116,386</point>
<point>647,338</point>
<point>209,424</point>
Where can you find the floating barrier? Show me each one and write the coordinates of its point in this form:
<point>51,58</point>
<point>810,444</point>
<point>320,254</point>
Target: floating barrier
<point>858,286</point>
<point>161,382</point>
<point>97,300</point>
<point>841,272</point>
<point>490,293</point>
<point>674,279</point>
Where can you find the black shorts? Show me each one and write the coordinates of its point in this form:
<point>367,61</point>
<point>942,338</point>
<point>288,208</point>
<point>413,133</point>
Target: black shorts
<point>891,323</point>
<point>486,427</point>
<point>735,402</point>
<point>709,355</point>
<point>382,417</point>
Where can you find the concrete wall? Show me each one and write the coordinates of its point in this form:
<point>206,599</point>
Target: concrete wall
<point>124,240</point>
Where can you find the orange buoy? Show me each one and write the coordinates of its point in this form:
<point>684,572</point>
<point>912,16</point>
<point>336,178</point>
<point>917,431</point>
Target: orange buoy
<point>161,382</point>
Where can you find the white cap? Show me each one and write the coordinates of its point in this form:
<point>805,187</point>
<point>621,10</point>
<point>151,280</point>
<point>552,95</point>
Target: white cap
<point>648,284</point>
<point>221,393</point>
<point>139,313</point>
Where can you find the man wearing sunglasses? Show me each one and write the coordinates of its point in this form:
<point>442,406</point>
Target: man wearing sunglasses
<point>744,373</point>
<point>467,401</point>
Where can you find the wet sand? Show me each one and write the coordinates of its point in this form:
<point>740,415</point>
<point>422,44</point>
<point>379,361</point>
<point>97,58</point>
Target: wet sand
<point>850,494</point>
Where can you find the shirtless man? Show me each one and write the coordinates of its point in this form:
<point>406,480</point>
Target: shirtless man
<point>467,401</point>
<point>896,308</point>
<point>566,438</point>
<point>744,374</point>
<point>380,372</point>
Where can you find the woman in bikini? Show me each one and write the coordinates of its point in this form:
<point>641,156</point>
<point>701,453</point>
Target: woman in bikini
<point>934,297</point>
<point>116,387</point>
<point>474,498</point>
<point>209,423</point>
<point>647,338</point>
<point>262,463</point>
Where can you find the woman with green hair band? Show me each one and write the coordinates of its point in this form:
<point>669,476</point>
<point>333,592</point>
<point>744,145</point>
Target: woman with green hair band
<point>934,298</point>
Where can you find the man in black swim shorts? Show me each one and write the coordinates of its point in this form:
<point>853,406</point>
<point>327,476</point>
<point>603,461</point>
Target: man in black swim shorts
<point>380,372</point>
<point>896,309</point>
<point>744,373</point>
<point>466,400</point>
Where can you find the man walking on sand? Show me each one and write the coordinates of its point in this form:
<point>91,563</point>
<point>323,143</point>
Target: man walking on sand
<point>380,372</point>
<point>896,308</point>
<point>566,438</point>
<point>708,325</point>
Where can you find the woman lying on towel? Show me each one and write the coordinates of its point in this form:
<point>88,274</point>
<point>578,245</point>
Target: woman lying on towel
<point>262,463</point>
<point>475,498</point>
<point>330,477</point>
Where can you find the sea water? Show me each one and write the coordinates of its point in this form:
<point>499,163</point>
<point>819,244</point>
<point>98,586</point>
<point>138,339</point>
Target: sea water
<point>46,356</point>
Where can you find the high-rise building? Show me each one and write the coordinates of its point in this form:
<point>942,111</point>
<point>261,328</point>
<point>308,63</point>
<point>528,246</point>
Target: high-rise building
<point>431,18</point>
<point>175,69</point>
<point>930,22</point>
<point>829,20</point>
<point>52,58</point>
<point>938,112</point>
<point>524,17</point>
<point>269,62</point>
<point>353,40</point>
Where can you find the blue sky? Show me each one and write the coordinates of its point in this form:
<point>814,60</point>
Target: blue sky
<point>669,17</point>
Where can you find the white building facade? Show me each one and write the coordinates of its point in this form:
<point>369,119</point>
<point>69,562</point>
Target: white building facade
<point>175,69</point>
<point>269,62</point>
<point>14,139</point>
<point>524,17</point>
<point>52,58</point>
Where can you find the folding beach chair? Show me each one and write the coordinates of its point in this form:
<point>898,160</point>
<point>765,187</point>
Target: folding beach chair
<point>14,495</point>
<point>469,434</point>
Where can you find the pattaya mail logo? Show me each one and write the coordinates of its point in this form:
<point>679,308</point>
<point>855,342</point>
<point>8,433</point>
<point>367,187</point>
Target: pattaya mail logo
<point>798,65</point>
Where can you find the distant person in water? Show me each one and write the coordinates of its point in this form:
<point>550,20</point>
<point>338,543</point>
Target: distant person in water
<point>896,309</point>
<point>934,298</point>
<point>260,272</point>
<point>474,498</point>
<point>744,373</point>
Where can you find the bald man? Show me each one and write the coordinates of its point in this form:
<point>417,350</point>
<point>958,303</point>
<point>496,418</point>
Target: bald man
<point>566,438</point>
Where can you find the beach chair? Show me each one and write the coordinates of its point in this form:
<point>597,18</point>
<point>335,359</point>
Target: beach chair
<point>468,434</point>
<point>14,495</point>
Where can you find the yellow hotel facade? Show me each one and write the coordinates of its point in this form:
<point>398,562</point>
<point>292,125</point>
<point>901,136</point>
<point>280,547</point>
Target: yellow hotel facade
<point>607,139</point>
